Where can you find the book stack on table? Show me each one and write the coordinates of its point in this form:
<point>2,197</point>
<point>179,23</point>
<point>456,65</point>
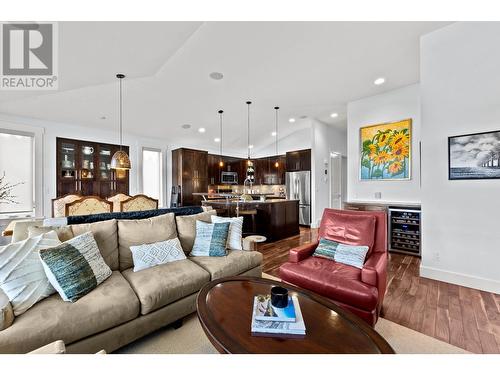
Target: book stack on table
<point>270,320</point>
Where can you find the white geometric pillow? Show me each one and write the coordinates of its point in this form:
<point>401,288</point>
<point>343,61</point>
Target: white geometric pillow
<point>234,238</point>
<point>22,277</point>
<point>154,254</point>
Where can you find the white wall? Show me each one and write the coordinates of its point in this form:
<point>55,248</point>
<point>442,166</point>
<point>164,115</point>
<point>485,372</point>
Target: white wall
<point>325,140</point>
<point>460,90</point>
<point>45,136</point>
<point>391,106</point>
<point>298,140</point>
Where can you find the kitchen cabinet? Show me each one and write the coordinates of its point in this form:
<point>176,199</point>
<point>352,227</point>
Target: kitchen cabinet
<point>190,172</point>
<point>214,170</point>
<point>84,168</point>
<point>298,161</point>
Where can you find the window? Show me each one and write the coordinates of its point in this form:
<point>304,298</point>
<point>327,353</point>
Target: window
<point>151,173</point>
<point>17,171</point>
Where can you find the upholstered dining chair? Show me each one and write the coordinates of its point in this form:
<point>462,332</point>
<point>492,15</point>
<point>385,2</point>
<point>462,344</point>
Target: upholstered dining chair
<point>117,199</point>
<point>59,204</point>
<point>139,202</point>
<point>88,205</point>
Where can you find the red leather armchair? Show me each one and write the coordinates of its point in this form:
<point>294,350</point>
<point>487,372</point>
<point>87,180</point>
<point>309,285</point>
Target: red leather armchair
<point>359,290</point>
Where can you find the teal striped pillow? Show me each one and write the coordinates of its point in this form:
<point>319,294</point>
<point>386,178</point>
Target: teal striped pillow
<point>210,239</point>
<point>75,267</point>
<point>326,249</point>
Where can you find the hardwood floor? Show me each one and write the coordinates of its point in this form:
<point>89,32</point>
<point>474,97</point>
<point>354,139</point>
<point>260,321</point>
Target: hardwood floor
<point>464,317</point>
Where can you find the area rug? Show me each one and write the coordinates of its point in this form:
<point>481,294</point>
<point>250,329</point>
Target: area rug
<point>190,339</point>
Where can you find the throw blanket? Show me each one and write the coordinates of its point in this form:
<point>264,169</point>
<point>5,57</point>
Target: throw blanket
<point>134,215</point>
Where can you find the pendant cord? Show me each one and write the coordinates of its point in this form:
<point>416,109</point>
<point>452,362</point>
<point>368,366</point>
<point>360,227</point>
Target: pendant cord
<point>220,121</point>
<point>121,126</point>
<point>248,129</point>
<point>276,130</point>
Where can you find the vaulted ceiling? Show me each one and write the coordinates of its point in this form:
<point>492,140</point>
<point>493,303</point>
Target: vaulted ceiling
<point>307,68</point>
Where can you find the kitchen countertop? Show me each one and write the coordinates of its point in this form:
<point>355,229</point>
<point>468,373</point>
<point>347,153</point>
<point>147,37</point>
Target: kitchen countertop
<point>384,203</point>
<point>234,203</point>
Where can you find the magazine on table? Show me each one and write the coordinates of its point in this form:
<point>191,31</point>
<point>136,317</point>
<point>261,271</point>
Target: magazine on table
<point>266,311</point>
<point>289,328</point>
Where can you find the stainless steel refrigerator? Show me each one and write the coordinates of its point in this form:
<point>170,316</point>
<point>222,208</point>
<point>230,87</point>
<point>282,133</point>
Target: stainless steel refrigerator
<point>298,186</point>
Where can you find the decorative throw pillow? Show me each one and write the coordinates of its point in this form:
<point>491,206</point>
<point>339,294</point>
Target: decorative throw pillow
<point>234,237</point>
<point>186,228</point>
<point>326,249</point>
<point>63,233</point>
<point>351,255</point>
<point>22,277</point>
<point>75,267</point>
<point>210,239</point>
<point>150,255</point>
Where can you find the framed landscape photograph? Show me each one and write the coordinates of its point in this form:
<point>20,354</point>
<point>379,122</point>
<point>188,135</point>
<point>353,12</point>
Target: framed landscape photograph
<point>474,156</point>
<point>386,151</point>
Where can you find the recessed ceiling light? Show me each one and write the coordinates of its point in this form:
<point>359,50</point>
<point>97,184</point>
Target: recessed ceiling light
<point>201,130</point>
<point>273,134</point>
<point>379,81</point>
<point>334,115</point>
<point>216,139</point>
<point>250,146</point>
<point>186,126</point>
<point>291,119</point>
<point>216,75</point>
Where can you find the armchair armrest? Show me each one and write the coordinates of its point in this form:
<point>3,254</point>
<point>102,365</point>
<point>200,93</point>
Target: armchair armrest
<point>374,271</point>
<point>302,252</point>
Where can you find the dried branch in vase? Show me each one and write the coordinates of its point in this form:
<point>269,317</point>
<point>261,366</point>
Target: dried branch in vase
<point>6,189</point>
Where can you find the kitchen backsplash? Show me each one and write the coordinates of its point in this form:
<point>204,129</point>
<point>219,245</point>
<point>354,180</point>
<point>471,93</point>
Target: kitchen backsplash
<point>265,189</point>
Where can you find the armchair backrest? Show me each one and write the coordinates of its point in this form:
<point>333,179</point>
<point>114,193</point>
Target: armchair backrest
<point>88,205</point>
<point>380,242</point>
<point>139,202</point>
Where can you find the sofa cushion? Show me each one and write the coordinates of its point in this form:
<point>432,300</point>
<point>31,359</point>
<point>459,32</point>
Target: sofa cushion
<point>334,280</point>
<point>234,263</point>
<point>186,228</point>
<point>20,230</point>
<point>358,230</point>
<point>144,231</point>
<point>110,304</point>
<point>106,235</point>
<point>161,285</point>
<point>210,239</point>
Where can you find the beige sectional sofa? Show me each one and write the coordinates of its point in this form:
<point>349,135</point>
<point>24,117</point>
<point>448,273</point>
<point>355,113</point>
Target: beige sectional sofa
<point>128,305</point>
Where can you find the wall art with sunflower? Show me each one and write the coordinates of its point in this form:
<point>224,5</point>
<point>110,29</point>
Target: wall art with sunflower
<point>386,151</point>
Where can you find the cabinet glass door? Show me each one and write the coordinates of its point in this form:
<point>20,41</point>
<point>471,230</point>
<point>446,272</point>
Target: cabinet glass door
<point>87,168</point>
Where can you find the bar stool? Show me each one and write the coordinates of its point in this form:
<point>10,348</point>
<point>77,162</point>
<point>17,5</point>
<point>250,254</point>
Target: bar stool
<point>251,215</point>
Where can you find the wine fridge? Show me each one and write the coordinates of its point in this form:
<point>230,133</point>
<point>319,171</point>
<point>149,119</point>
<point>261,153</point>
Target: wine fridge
<point>405,230</point>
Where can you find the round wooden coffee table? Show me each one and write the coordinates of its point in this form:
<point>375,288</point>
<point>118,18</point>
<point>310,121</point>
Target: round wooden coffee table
<point>225,311</point>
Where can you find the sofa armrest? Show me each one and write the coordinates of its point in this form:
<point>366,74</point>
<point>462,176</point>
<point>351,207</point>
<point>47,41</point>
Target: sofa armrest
<point>374,271</point>
<point>6,312</point>
<point>302,252</point>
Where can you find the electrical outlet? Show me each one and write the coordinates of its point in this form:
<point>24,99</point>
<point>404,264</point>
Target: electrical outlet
<point>436,257</point>
<point>378,195</point>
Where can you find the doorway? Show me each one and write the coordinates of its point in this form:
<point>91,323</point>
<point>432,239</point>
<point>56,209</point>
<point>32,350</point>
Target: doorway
<point>338,181</point>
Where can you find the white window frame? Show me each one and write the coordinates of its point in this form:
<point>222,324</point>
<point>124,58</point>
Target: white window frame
<point>37,133</point>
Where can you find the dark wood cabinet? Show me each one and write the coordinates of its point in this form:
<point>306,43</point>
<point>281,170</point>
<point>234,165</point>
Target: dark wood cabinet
<point>190,172</point>
<point>214,170</point>
<point>84,168</point>
<point>298,160</point>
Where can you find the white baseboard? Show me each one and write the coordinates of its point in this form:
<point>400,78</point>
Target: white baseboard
<point>469,281</point>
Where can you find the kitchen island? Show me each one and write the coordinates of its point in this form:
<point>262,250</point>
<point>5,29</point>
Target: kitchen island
<point>274,218</point>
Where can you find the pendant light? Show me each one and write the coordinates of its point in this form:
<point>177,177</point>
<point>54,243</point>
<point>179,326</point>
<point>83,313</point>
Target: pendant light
<point>277,164</point>
<point>221,163</point>
<point>250,168</point>
<point>120,159</point>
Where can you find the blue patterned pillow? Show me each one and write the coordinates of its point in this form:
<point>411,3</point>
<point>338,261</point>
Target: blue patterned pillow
<point>210,239</point>
<point>75,267</point>
<point>351,255</point>
<point>326,249</point>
